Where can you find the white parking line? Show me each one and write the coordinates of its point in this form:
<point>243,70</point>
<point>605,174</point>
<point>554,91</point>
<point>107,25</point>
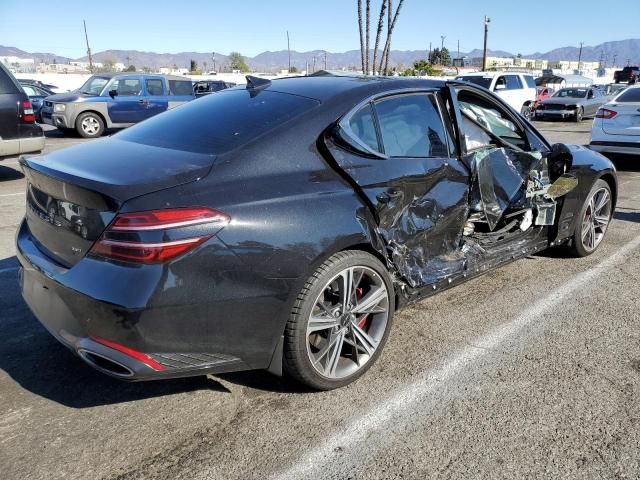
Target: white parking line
<point>11,194</point>
<point>347,445</point>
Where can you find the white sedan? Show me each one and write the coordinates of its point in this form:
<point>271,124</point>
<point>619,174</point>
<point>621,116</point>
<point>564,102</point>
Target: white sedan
<point>616,128</point>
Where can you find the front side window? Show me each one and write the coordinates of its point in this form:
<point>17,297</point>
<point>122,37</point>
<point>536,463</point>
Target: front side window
<point>481,116</point>
<point>94,85</point>
<point>126,87</point>
<point>411,126</point>
<point>154,86</point>
<point>513,82</point>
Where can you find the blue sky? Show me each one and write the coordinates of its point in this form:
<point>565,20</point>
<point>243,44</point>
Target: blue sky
<point>253,26</point>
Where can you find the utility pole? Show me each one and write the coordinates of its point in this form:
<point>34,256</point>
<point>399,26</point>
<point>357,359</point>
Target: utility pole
<point>86,37</point>
<point>325,60</point>
<point>615,55</point>
<point>314,64</point>
<point>487,21</point>
<point>213,60</point>
<point>289,52</point>
<point>429,54</point>
<point>459,52</point>
<point>580,56</point>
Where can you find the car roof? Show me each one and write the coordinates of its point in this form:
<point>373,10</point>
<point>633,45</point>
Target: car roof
<point>491,74</point>
<point>138,74</point>
<point>323,87</point>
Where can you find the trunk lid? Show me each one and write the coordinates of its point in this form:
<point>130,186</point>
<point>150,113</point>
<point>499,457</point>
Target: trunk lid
<point>72,195</point>
<point>626,122</point>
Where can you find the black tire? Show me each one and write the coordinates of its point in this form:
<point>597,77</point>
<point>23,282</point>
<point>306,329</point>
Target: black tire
<point>296,361</point>
<point>579,115</point>
<point>578,247</point>
<point>89,125</point>
<point>526,112</point>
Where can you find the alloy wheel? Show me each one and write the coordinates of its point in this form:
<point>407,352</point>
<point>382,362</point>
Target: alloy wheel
<point>596,219</point>
<point>347,322</point>
<point>90,125</point>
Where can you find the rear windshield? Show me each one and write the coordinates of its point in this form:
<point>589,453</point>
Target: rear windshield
<point>482,81</point>
<point>629,95</point>
<point>219,123</point>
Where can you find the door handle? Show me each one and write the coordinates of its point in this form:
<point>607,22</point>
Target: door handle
<point>143,101</point>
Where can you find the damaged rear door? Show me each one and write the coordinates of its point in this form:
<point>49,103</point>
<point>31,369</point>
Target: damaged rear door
<point>398,152</point>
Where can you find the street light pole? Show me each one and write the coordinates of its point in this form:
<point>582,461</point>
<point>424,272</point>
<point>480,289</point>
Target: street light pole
<point>289,52</point>
<point>580,57</point>
<point>487,21</point>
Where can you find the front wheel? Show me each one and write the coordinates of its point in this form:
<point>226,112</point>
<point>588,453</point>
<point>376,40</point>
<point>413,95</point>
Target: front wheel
<point>527,112</point>
<point>579,115</point>
<point>595,215</point>
<point>89,125</point>
<point>340,321</point>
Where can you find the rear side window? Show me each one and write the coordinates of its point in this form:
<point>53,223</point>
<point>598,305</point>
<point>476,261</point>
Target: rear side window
<point>7,84</point>
<point>364,128</point>
<point>180,87</point>
<point>531,83</point>
<point>411,126</point>
<point>219,123</point>
<point>629,95</point>
<point>29,90</point>
<point>126,87</point>
<point>513,82</point>
<point>154,86</point>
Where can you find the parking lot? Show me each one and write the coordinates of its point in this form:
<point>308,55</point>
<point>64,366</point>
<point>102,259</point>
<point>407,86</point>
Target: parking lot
<point>531,371</point>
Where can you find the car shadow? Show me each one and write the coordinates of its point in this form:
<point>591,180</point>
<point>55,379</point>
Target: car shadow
<point>627,215</point>
<point>31,357</point>
<point>9,173</point>
<point>625,163</point>
<point>262,380</point>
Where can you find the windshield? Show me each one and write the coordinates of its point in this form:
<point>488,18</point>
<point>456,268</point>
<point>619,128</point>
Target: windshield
<point>482,81</point>
<point>94,85</point>
<point>572,93</point>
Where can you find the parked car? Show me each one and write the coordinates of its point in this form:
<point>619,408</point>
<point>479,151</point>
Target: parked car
<point>610,90</point>
<point>205,87</point>
<point>40,84</point>
<point>616,128</point>
<point>280,226</point>
<point>115,100</point>
<point>517,89</point>
<point>36,95</point>
<point>19,132</point>
<point>574,103</point>
<point>626,74</point>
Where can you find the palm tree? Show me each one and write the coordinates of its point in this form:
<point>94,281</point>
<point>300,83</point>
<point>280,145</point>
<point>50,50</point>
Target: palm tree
<point>361,36</point>
<point>367,16</point>
<point>391,26</point>
<point>378,34</point>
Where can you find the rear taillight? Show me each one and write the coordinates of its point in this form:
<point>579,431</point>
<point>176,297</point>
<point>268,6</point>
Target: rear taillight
<point>158,236</point>
<point>27,112</point>
<point>606,113</point>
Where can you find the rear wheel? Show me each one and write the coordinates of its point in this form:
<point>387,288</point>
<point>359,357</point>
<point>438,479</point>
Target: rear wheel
<point>595,216</point>
<point>579,114</point>
<point>340,321</point>
<point>89,125</point>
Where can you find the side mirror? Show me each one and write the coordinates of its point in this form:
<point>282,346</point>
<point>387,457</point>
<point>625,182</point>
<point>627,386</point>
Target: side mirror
<point>560,160</point>
<point>113,93</point>
<point>500,87</point>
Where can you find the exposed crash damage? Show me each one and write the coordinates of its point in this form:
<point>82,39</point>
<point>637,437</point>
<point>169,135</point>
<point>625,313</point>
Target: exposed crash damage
<point>443,220</point>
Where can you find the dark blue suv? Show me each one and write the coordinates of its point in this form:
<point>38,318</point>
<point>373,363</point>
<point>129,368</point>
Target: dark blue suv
<point>115,100</point>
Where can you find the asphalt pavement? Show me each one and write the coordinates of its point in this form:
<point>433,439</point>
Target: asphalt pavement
<point>531,371</point>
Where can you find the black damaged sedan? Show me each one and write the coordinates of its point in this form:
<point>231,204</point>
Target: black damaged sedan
<point>281,225</point>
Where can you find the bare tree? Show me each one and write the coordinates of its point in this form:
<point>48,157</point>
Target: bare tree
<point>383,7</point>
<point>361,34</point>
<point>367,22</point>
<point>391,26</point>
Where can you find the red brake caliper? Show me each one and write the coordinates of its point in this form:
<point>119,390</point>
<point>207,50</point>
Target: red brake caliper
<point>364,319</point>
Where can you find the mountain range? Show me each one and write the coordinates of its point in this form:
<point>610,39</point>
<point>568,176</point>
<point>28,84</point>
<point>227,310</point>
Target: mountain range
<point>623,51</point>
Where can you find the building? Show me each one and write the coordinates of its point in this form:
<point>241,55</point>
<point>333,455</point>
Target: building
<point>19,65</point>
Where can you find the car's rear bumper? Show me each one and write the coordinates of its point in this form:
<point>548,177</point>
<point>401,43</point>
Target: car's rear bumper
<point>168,340</point>
<point>18,146</point>
<point>625,148</point>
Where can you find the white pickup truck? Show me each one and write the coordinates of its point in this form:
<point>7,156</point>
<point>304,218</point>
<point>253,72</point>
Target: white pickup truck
<point>517,89</point>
